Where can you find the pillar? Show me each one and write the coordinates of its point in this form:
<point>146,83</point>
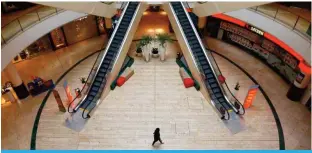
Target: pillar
<point>220,34</point>
<point>298,87</point>
<point>108,26</point>
<point>201,24</point>
<point>17,83</point>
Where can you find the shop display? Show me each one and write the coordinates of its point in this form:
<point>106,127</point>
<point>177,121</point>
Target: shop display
<point>101,22</point>
<point>252,39</point>
<point>58,39</point>
<point>38,86</point>
<point>80,29</point>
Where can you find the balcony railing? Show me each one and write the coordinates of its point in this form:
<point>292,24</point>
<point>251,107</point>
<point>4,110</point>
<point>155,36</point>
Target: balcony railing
<point>298,23</point>
<point>25,21</point>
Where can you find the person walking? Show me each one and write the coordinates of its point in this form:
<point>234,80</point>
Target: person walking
<point>157,136</point>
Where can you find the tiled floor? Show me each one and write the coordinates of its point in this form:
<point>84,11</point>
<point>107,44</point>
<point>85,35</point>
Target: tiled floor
<point>18,118</point>
<point>155,97</point>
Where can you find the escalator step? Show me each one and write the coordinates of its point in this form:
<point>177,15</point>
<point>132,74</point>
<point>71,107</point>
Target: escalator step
<point>209,76</point>
<point>93,93</point>
<point>101,74</point>
<point>97,84</point>
<point>214,85</point>
<point>206,67</point>
<point>95,89</point>
<point>208,72</point>
<point>99,79</point>
<point>105,66</point>
<point>216,90</point>
<point>103,70</point>
<point>221,99</point>
<point>211,80</point>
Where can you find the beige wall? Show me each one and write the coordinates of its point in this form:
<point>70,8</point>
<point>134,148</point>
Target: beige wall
<point>210,8</point>
<point>79,30</point>
<point>94,8</point>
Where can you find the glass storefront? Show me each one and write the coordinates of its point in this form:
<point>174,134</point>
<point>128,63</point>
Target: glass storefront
<point>41,45</point>
<point>58,38</point>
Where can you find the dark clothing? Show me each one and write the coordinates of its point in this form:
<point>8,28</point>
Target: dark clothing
<point>156,137</point>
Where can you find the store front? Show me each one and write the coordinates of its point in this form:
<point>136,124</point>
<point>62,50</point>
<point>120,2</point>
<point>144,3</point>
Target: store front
<point>251,40</point>
<point>42,45</point>
<point>80,29</point>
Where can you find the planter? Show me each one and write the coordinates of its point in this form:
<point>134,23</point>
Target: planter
<point>162,53</point>
<point>146,53</point>
<point>139,52</point>
<point>155,52</point>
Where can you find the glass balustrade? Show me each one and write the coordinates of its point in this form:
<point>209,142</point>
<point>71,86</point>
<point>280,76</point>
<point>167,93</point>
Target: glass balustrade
<point>22,23</point>
<point>292,21</point>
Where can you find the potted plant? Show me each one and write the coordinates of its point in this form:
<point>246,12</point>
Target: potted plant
<point>145,42</point>
<point>162,39</point>
<point>139,46</point>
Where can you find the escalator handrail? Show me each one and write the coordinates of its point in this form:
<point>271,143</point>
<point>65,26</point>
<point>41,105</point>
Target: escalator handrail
<point>84,84</point>
<point>105,52</point>
<point>127,33</point>
<point>227,85</point>
<point>119,50</point>
<point>204,51</point>
<point>192,56</point>
<point>184,37</point>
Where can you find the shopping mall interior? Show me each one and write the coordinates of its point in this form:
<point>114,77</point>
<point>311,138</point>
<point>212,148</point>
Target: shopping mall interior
<point>105,75</point>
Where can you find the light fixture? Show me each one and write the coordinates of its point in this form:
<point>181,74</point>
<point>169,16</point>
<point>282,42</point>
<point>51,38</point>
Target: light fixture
<point>163,13</point>
<point>159,30</point>
<point>145,13</point>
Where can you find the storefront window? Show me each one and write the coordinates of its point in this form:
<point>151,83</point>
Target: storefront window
<point>101,22</point>
<point>39,47</point>
<point>58,39</point>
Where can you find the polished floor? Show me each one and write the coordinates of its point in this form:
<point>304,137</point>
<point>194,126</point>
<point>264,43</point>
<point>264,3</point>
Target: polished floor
<point>18,118</point>
<point>155,97</point>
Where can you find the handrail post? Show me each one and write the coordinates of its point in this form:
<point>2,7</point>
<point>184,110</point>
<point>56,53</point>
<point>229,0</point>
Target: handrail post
<point>296,22</point>
<point>3,39</point>
<point>275,14</point>
<point>20,24</point>
<point>38,15</point>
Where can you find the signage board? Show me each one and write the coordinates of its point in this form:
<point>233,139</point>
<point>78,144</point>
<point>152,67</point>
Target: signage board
<point>250,96</point>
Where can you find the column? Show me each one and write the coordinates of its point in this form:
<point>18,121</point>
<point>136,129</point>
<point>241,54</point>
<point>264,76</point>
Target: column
<point>17,83</point>
<point>201,24</point>
<point>108,26</point>
<point>298,87</point>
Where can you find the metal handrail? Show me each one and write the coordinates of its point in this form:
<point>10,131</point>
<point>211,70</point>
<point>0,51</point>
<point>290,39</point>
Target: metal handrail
<point>96,60</point>
<point>241,106</point>
<point>293,28</point>
<point>21,28</point>
<point>192,56</point>
<point>105,52</point>
<point>120,48</point>
<point>204,50</point>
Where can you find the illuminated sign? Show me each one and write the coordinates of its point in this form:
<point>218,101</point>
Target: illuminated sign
<point>256,30</point>
<point>68,93</point>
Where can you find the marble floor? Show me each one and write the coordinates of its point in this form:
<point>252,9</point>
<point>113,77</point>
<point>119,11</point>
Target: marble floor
<point>18,118</point>
<point>155,97</point>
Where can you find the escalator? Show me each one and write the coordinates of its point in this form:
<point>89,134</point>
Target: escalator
<point>196,49</point>
<point>105,67</point>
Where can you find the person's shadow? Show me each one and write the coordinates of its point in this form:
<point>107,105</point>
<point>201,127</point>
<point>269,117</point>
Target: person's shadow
<point>157,146</point>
